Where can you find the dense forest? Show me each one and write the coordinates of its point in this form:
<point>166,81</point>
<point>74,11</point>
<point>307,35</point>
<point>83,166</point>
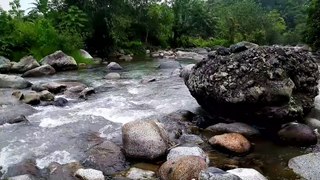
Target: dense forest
<point>102,27</point>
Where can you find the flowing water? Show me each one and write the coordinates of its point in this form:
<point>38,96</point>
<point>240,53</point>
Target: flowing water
<point>53,133</point>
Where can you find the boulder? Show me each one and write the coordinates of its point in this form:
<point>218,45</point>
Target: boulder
<point>185,72</point>
<point>25,64</point>
<point>85,54</point>
<point>106,157</point>
<point>53,87</point>
<point>242,46</point>
<point>171,64</point>
<point>46,96</point>
<point>86,92</point>
<point>138,174</point>
<point>190,139</point>
<point>11,81</point>
<point>25,167</point>
<point>241,128</point>
<point>114,66</point>
<point>44,70</point>
<point>57,171</point>
<point>213,173</point>
<point>18,119</point>
<point>60,61</point>
<point>5,65</point>
<point>223,51</point>
<point>60,102</point>
<point>15,113</point>
<point>247,174</point>
<point>89,174</point>
<point>22,177</point>
<point>233,142</point>
<point>298,135</point>
<point>112,76</point>
<point>187,167</point>
<point>307,166</point>
<point>261,85</point>
<point>32,98</point>
<point>144,139</point>
<point>180,152</point>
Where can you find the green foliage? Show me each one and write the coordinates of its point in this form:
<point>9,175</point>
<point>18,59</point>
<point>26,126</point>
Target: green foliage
<point>79,58</point>
<point>313,25</point>
<point>187,41</point>
<point>133,47</point>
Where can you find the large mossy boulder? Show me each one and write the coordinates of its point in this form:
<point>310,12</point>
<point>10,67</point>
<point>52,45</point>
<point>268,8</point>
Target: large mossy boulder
<point>60,61</point>
<point>268,85</point>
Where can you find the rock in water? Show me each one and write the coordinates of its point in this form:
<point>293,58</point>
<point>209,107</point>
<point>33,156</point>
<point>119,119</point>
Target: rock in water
<point>5,65</point>
<point>85,54</point>
<point>140,174</point>
<point>298,135</point>
<point>216,174</point>
<point>264,85</point>
<point>60,61</point>
<point>247,174</point>
<point>89,174</point>
<point>44,70</point>
<point>114,66</point>
<point>187,167</point>
<point>179,152</point>
<point>237,127</point>
<point>144,139</point>
<point>169,65</point>
<point>25,64</point>
<point>306,166</point>
<point>232,142</point>
<point>11,81</point>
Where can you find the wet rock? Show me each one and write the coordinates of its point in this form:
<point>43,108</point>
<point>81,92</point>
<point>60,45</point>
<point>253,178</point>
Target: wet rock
<point>17,94</point>
<point>57,171</point>
<point>137,174</point>
<point>44,70</point>
<point>14,112</point>
<point>89,174</point>
<point>242,46</point>
<point>5,65</point>
<point>307,166</point>
<point>25,64</point>
<point>297,134</point>
<point>32,98</point>
<point>145,81</point>
<point>85,54</point>
<point>261,85</point>
<point>23,168</point>
<point>169,65</point>
<point>106,157</point>
<point>22,177</point>
<point>11,81</point>
<point>52,87</point>
<point>176,72</point>
<point>223,51</point>
<point>113,76</point>
<point>86,92</point>
<point>144,139</point>
<point>190,139</point>
<point>125,58</point>
<point>232,142</point>
<point>190,55</point>
<point>60,102</point>
<point>241,128</point>
<point>185,72</point>
<point>180,152</point>
<point>187,167</point>
<point>46,96</point>
<point>114,66</point>
<point>18,119</point>
<point>313,123</point>
<point>213,173</point>
<point>247,174</point>
<point>60,61</point>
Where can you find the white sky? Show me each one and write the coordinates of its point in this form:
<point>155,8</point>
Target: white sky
<point>25,4</point>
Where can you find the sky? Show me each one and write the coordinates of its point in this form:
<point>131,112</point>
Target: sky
<point>25,4</point>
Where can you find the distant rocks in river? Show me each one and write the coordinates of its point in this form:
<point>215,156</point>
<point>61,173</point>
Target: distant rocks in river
<point>262,85</point>
<point>60,61</point>
<point>114,66</point>
<point>44,70</point>
<point>25,64</point>
<point>12,81</point>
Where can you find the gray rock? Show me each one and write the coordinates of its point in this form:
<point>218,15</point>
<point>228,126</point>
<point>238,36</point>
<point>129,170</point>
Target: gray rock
<point>179,152</point>
<point>213,173</point>
<point>11,81</point>
<point>247,174</point>
<point>5,65</point>
<point>313,123</point>
<point>25,64</point>
<point>114,66</point>
<point>137,174</point>
<point>237,127</point>
<point>18,119</point>
<point>306,166</point>
<point>106,157</point>
<point>185,72</point>
<point>32,98</point>
<point>89,174</point>
<point>63,172</point>
<point>60,61</point>
<point>23,168</point>
<point>86,92</point>
<point>297,134</point>
<point>44,70</point>
<point>242,46</point>
<point>52,87</point>
<point>223,51</point>
<point>190,139</point>
<point>169,65</point>
<point>60,102</point>
<point>22,177</point>
<point>46,96</point>
<point>13,113</point>
<point>112,76</point>
<point>256,85</point>
<point>144,139</point>
<point>190,55</point>
<point>85,54</point>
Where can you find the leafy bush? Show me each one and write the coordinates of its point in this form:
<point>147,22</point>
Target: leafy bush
<point>80,59</point>
<point>199,42</point>
<point>134,47</point>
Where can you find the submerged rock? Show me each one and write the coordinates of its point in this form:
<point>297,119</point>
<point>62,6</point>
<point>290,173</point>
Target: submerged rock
<point>187,167</point>
<point>307,166</point>
<point>232,142</point>
<point>262,85</point>
<point>213,173</point>
<point>237,127</point>
<point>298,135</point>
<point>180,152</point>
<point>106,157</point>
<point>44,70</point>
<point>5,65</point>
<point>169,65</point>
<point>247,174</point>
<point>144,139</point>
<point>11,81</point>
<point>60,61</point>
<point>25,64</point>
<point>113,76</point>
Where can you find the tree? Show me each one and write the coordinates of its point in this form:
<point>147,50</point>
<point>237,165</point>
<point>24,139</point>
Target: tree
<point>40,6</point>
<point>313,25</point>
